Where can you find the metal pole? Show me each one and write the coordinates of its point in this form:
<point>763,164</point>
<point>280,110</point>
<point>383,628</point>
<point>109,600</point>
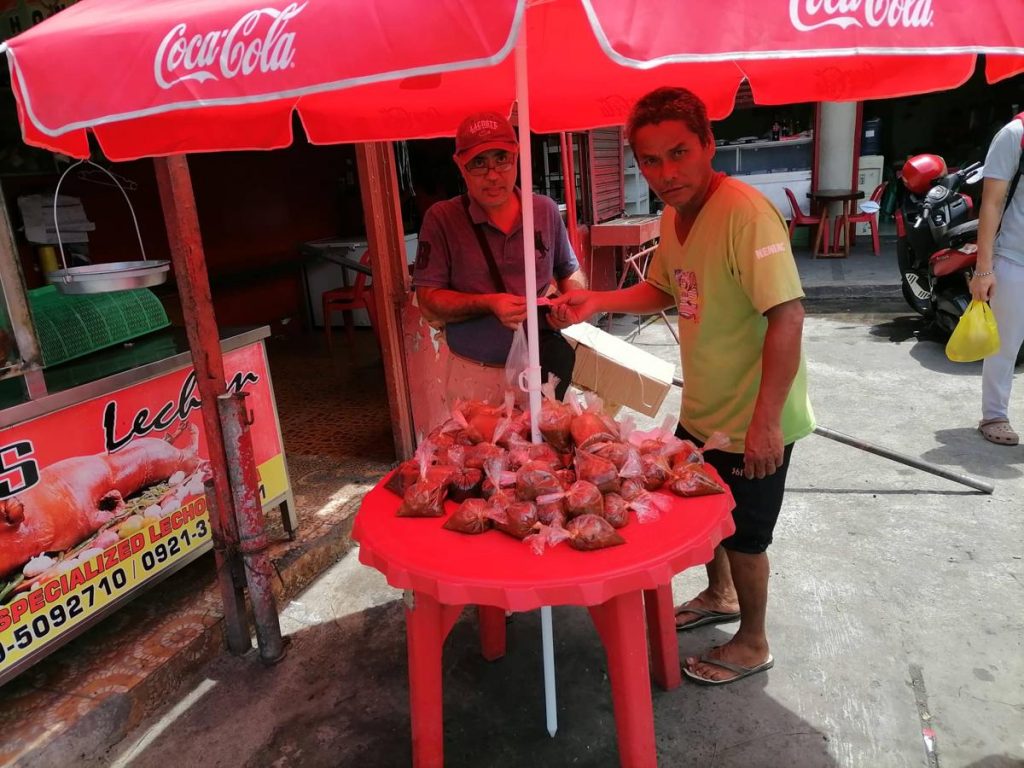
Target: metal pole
<point>252,535</point>
<point>18,310</point>
<point>182,220</point>
<point>532,336</point>
<point>902,458</point>
<point>236,632</point>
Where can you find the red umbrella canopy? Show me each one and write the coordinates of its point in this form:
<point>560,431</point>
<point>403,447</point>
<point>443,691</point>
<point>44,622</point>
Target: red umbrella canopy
<point>170,76</point>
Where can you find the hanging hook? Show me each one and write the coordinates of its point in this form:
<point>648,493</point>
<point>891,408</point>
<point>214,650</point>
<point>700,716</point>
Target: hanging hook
<point>56,222</point>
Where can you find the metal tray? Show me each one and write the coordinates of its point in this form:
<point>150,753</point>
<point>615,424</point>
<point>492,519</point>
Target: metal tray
<point>115,276</point>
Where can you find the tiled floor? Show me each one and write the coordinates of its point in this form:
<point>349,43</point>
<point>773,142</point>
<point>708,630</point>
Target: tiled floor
<point>337,436</point>
<point>332,403</point>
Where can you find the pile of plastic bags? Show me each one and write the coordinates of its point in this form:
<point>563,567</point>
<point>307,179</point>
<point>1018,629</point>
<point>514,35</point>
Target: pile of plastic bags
<point>585,481</point>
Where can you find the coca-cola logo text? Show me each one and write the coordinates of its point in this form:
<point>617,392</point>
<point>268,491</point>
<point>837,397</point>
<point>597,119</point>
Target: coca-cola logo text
<point>809,15</point>
<point>248,46</point>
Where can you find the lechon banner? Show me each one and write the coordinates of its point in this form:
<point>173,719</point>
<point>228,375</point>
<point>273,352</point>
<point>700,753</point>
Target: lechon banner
<point>97,498</point>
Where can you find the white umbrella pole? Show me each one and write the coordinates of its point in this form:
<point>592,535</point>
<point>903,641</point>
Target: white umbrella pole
<point>533,370</point>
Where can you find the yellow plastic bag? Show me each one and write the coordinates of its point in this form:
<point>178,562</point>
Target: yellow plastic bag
<point>975,336</point>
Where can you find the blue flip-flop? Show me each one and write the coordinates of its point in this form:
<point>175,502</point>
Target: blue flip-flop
<point>740,670</point>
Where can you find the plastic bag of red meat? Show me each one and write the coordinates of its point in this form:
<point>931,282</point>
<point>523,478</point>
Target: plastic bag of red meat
<point>631,488</point>
<point>465,484</point>
<point>520,519</point>
<point>409,472</point>
<point>555,420</point>
<point>584,498</point>
<point>425,497</point>
<point>450,453</point>
<point>691,454</point>
<point>586,533</point>
<point>480,421</point>
<point>473,516</point>
<point>649,507</point>
<point>615,451</point>
<point>566,477</point>
<point>693,480</point>
<point>593,425</point>
<point>598,471</point>
<point>518,452</point>
<point>476,456</point>
<point>663,442</point>
<point>551,509</point>
<point>514,423</point>
<point>535,478</point>
<point>499,484</point>
<point>655,471</point>
<point>521,451</point>
<point>615,510</point>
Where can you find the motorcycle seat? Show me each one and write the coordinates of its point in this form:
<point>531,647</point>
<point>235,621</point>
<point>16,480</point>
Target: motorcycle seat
<point>950,260</point>
<point>961,233</point>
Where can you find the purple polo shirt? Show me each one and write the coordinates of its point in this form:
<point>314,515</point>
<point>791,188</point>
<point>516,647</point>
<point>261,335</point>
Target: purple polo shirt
<point>449,256</point>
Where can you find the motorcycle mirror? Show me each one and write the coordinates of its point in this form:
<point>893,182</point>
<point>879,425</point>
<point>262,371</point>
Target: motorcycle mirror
<point>870,207</point>
<point>975,176</point>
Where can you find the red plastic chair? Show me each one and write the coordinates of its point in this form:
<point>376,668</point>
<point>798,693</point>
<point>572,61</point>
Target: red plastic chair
<point>861,218</point>
<point>345,300</point>
<point>801,219</point>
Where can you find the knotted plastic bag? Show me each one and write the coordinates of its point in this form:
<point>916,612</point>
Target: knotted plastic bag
<point>555,420</point>
<point>975,336</point>
<point>473,516</point>
<point>520,518</point>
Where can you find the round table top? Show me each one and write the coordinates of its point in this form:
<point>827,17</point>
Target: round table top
<point>493,568</point>
<point>836,194</point>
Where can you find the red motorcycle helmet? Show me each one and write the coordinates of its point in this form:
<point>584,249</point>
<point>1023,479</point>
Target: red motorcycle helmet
<point>921,170</point>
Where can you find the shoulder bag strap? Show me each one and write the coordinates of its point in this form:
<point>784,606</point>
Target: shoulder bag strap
<point>1020,170</point>
<point>481,238</point>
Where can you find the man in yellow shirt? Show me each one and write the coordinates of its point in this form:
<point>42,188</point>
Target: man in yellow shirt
<point>724,261</point>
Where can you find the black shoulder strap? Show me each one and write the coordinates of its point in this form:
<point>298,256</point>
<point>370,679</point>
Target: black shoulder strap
<point>481,237</point>
<point>1020,170</point>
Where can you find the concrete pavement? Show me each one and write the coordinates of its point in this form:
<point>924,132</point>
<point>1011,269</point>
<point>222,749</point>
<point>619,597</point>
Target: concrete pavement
<point>895,616</point>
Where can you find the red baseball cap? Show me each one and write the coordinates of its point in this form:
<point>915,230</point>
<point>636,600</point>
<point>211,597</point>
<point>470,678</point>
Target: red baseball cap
<point>483,131</point>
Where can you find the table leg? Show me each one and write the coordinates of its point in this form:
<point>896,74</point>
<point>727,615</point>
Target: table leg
<point>847,211</point>
<point>661,631</point>
<point>821,235</point>
<point>427,623</point>
<point>492,631</point>
<point>620,623</point>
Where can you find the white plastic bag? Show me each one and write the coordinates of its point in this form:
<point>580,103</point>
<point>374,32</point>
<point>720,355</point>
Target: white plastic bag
<point>518,360</point>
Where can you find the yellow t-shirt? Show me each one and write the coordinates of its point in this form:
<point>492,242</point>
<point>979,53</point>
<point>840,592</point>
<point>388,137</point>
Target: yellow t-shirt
<point>735,265</point>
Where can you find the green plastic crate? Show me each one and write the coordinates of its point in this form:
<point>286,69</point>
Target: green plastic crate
<point>72,326</point>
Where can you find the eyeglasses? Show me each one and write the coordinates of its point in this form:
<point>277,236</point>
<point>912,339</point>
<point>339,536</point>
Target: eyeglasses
<point>503,162</point>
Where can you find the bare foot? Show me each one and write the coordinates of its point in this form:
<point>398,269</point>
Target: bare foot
<point>733,652</point>
<point>708,602</point>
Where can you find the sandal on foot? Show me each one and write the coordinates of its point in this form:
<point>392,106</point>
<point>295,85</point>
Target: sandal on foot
<point>998,431</point>
<point>704,617</point>
<point>739,670</point>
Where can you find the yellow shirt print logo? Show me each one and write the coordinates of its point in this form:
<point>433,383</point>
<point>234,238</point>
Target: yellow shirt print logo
<point>688,301</point>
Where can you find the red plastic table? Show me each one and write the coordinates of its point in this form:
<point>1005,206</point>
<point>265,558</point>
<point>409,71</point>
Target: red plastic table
<point>443,571</point>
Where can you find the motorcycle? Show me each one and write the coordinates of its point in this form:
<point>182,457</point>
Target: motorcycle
<point>937,240</point>
<point>936,244</point>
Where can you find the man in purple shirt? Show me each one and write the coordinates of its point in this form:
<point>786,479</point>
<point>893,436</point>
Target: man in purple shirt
<point>469,267</point>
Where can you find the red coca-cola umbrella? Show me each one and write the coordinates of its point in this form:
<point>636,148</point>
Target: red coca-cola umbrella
<point>167,76</point>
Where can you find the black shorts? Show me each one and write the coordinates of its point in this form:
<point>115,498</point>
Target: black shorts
<point>758,502</point>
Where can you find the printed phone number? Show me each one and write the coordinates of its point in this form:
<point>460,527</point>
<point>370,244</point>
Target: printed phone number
<point>110,586</point>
